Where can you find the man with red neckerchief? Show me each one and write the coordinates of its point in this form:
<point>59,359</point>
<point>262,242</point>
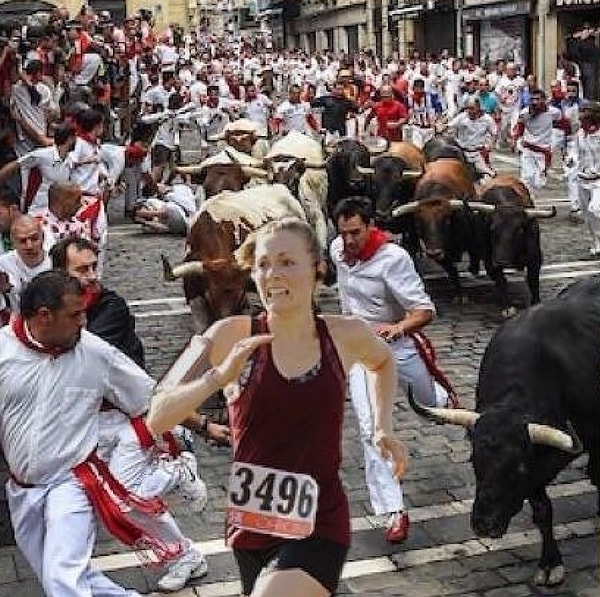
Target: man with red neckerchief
<point>378,282</point>
<point>54,375</point>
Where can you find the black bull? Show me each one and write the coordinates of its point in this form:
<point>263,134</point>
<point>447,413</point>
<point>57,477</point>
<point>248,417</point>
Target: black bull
<point>498,229</point>
<point>537,407</point>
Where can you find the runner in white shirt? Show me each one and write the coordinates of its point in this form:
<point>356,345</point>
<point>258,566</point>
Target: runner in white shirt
<point>294,114</point>
<point>257,107</point>
<point>378,283</point>
<point>508,90</point>
<point>25,261</point>
<point>52,165</point>
<point>85,159</point>
<point>475,133</point>
<point>54,375</point>
<point>534,125</point>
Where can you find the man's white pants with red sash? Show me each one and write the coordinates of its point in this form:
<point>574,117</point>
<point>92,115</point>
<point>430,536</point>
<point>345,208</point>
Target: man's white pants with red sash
<point>385,492</point>
<point>55,529</point>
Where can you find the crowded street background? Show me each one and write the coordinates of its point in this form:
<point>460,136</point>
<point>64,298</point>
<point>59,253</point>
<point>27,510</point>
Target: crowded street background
<point>182,438</point>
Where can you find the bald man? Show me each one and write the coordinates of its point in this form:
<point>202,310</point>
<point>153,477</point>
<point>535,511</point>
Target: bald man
<point>23,263</point>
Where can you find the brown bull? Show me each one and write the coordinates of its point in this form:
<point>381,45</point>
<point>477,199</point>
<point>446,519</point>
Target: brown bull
<point>444,227</point>
<point>214,284</point>
<point>411,154</point>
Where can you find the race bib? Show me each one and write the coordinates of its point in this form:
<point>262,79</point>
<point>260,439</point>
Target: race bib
<point>272,502</point>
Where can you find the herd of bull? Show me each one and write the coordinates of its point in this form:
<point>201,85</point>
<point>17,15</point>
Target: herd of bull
<point>538,394</point>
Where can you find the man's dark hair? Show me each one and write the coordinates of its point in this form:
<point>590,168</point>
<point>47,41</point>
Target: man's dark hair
<point>58,253</point>
<point>63,132</point>
<point>538,91</point>
<point>33,67</point>
<point>354,206</point>
<point>89,119</point>
<point>48,290</point>
<point>8,196</point>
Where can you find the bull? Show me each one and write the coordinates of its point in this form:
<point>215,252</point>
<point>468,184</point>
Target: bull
<point>228,170</point>
<point>444,216</point>
<point>297,162</point>
<point>214,284</point>
<point>537,407</point>
<point>392,177</point>
<point>343,174</point>
<point>510,235</point>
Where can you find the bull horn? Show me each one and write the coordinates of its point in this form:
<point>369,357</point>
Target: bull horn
<point>538,212</point>
<point>185,269</point>
<point>456,204</point>
<point>365,171</point>
<point>314,165</point>
<point>252,172</point>
<point>453,416</point>
<point>411,174</point>
<point>546,435</point>
<point>167,269</point>
<point>405,209</point>
<point>196,169</point>
<point>479,206</point>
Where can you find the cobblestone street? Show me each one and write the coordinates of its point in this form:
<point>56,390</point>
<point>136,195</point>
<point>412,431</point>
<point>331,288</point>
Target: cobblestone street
<point>442,556</point>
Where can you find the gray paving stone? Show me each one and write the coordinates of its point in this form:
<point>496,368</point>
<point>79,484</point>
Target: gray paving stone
<point>8,571</point>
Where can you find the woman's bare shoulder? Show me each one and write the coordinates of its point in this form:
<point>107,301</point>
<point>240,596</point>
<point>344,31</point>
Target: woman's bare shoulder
<point>224,333</point>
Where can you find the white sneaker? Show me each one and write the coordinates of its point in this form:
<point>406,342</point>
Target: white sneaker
<point>192,564</point>
<point>192,488</point>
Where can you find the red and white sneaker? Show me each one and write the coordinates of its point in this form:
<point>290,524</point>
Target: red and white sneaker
<point>398,526</point>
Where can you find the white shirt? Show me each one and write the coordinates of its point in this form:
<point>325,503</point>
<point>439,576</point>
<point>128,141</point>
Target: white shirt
<point>86,166</point>
<point>538,127</point>
<point>381,289</point>
<point>52,168</point>
<point>473,134</point>
<point>19,274</point>
<point>294,116</point>
<point>36,116</point>
<point>258,110</point>
<point>49,406</point>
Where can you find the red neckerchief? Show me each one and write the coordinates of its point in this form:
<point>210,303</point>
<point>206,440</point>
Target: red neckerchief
<point>87,137</point>
<point>91,295</point>
<point>134,153</point>
<point>376,239</point>
<point>21,332</point>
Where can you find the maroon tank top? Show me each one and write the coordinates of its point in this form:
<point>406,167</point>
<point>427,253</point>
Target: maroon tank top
<point>294,425</point>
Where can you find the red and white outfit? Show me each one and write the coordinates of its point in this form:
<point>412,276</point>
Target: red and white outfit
<point>380,287</point>
<point>51,168</point>
<point>422,118</point>
<point>585,154</point>
<point>19,274</point>
<point>87,169</point>
<point>508,91</point>
<point>49,405</point>
<point>475,135</point>
<point>536,145</point>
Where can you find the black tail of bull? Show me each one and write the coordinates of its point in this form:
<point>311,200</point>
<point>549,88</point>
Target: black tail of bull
<point>421,410</point>
<point>167,269</point>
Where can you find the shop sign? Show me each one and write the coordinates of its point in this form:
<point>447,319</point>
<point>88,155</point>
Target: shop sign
<point>566,4</point>
<point>498,11</point>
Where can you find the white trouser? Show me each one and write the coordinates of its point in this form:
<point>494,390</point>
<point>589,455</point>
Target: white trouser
<point>508,119</point>
<point>479,163</point>
<point>587,192</point>
<point>420,135</point>
<point>385,492</point>
<point>533,169</point>
<point>572,181</point>
<point>139,471</point>
<point>55,529</point>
